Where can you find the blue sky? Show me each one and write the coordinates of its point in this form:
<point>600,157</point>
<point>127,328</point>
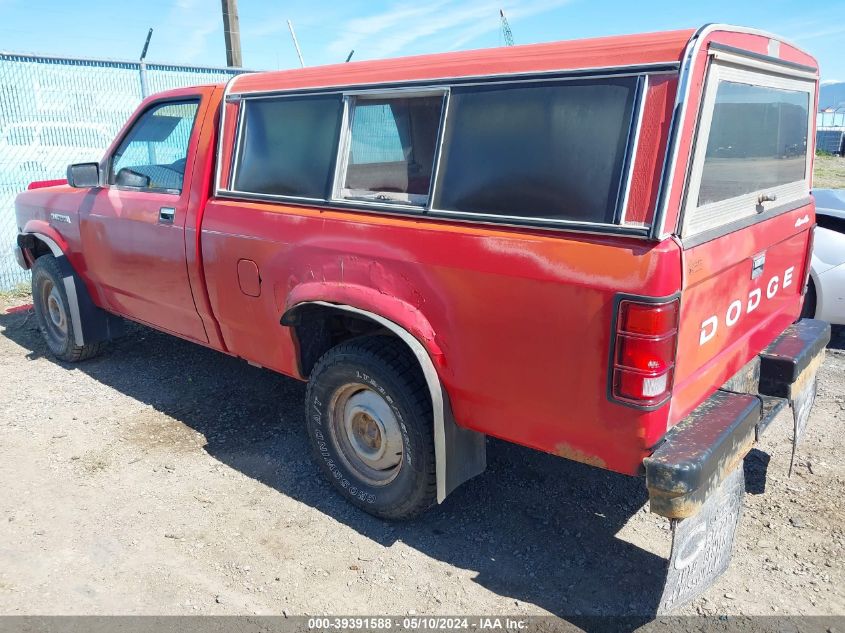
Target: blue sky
<point>191,31</point>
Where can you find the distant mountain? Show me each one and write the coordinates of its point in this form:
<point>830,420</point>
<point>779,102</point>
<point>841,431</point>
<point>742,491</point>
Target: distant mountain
<point>832,94</point>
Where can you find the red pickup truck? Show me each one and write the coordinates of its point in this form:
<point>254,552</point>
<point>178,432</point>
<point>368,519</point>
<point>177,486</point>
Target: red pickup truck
<point>594,248</point>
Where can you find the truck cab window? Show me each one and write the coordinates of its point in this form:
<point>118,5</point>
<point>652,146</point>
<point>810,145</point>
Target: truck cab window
<point>390,151</point>
<point>154,152</point>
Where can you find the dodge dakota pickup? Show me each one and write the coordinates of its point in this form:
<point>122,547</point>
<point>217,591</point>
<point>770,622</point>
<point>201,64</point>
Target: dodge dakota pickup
<point>594,248</point>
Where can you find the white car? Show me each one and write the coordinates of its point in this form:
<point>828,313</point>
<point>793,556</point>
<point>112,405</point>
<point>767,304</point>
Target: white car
<point>826,292</point>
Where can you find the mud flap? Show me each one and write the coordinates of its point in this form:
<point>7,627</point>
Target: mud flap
<point>802,399</point>
<point>702,544</point>
<point>90,323</point>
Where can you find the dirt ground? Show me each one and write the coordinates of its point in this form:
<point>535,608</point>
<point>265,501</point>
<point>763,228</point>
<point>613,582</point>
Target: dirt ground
<point>165,478</point>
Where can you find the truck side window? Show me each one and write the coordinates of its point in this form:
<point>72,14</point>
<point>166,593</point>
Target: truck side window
<point>288,146</point>
<point>546,150</point>
<point>390,152</point>
<point>154,152</point>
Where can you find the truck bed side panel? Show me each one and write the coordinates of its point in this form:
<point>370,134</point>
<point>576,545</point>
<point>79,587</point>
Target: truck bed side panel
<point>519,321</point>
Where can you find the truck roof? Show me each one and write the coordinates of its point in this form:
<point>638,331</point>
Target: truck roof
<point>644,49</point>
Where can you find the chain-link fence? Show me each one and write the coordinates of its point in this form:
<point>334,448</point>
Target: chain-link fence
<point>58,111</point>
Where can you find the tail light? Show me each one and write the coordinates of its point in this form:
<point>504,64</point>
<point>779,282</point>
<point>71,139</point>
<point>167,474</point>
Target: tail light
<point>645,343</point>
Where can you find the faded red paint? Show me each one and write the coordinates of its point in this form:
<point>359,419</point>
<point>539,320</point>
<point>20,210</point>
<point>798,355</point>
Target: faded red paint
<point>516,321</point>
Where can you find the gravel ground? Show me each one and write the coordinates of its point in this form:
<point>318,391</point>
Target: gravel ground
<point>829,172</point>
<point>165,478</point>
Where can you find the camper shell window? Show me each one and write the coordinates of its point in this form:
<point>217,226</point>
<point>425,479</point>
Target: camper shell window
<point>552,151</point>
<point>750,155</point>
<point>287,146</point>
<point>388,151</point>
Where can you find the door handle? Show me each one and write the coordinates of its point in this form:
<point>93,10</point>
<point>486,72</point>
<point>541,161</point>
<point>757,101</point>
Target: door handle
<point>166,215</point>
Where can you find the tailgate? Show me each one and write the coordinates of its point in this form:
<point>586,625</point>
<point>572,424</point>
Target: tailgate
<point>747,221</point>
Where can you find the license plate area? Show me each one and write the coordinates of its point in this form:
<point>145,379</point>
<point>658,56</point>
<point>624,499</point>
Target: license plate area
<point>702,544</point>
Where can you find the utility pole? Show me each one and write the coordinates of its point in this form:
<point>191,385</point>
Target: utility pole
<point>296,43</point>
<point>232,33</point>
<point>507,34</point>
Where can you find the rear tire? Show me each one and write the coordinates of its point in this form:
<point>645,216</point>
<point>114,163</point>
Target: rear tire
<point>53,315</point>
<point>369,416</point>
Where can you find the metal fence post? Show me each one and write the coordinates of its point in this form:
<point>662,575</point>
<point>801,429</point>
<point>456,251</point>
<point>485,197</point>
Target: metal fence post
<point>142,69</point>
<point>145,91</point>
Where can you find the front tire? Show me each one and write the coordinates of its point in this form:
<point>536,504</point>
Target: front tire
<point>369,418</point>
<point>53,315</point>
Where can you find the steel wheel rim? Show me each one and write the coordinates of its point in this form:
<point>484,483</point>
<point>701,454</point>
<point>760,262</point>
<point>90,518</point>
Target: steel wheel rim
<point>367,433</point>
<point>55,315</point>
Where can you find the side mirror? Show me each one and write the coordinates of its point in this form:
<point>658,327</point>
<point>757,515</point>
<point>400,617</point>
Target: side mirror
<point>83,175</point>
<point>128,178</point>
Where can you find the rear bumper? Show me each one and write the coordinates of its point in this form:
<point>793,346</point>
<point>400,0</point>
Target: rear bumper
<point>710,443</point>
<point>783,363</point>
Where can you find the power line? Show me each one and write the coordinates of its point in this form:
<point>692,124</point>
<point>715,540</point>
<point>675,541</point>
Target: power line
<point>296,44</point>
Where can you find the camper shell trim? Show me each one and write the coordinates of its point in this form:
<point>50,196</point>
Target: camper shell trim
<point>597,72</point>
<point>643,73</point>
<point>659,230</point>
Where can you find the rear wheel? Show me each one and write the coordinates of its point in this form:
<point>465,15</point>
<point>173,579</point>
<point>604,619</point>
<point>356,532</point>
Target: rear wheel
<point>370,422</point>
<point>53,315</point>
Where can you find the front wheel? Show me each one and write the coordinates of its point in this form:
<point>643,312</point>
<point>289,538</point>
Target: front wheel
<point>53,315</point>
<point>369,418</point>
